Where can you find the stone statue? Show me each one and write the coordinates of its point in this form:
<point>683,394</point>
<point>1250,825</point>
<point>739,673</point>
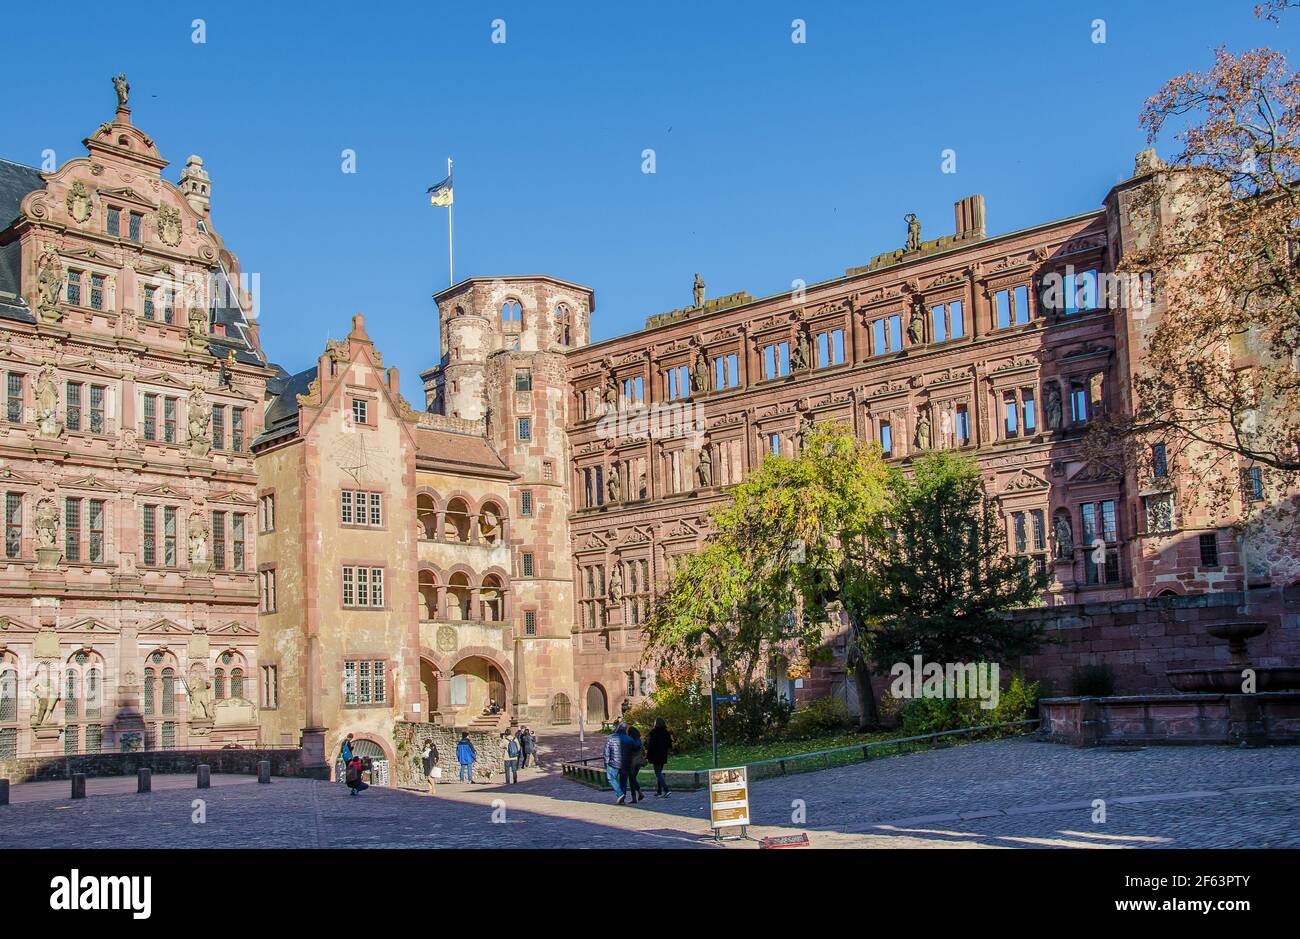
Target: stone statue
<point>198,538</point>
<point>1064,536</point>
<point>802,351</point>
<point>200,417</point>
<point>45,696</point>
<point>916,323</point>
<point>610,394</point>
<point>612,483</point>
<point>700,374</point>
<point>1053,406</point>
<point>47,523</point>
<point>698,290</point>
<point>200,697</point>
<point>49,283</point>
<point>122,88</point>
<point>47,403</point>
<point>704,469</point>
<point>198,323</point>
<point>616,584</point>
<point>923,429</point>
<point>913,232</point>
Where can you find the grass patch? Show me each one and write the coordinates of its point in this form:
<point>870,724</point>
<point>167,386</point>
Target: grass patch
<point>737,754</point>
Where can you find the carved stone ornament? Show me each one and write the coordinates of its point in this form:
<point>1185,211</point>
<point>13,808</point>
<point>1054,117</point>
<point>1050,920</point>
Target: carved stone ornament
<point>446,639</point>
<point>168,223</point>
<point>200,418</point>
<point>49,285</point>
<point>78,202</point>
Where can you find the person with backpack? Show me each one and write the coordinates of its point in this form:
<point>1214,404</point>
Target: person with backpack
<point>614,763</point>
<point>657,747</point>
<point>465,756</point>
<point>429,759</point>
<point>510,753</point>
<point>354,770</point>
<point>636,760</point>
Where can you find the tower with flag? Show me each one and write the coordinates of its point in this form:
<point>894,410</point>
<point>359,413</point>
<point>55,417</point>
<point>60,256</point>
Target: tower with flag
<point>441,195</point>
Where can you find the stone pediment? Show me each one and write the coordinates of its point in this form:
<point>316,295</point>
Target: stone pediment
<point>233,629</point>
<point>127,194</point>
<point>90,482</point>
<point>636,535</point>
<point>165,491</point>
<point>682,529</point>
<point>89,365</point>
<point>232,498</point>
<point>1092,472</point>
<point>164,378</point>
<point>1020,361</point>
<point>11,626</point>
<point>1024,481</point>
<point>164,627</point>
<point>592,542</point>
<point>87,625</point>
<point>11,477</point>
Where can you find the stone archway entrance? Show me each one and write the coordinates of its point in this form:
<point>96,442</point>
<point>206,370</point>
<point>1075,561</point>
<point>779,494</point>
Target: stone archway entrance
<point>477,683</point>
<point>429,679</point>
<point>597,705</point>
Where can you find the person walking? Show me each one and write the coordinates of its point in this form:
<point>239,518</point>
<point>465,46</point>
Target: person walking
<point>636,760</point>
<point>345,754</point>
<point>614,763</point>
<point>525,746</point>
<point>535,753</point>
<point>510,751</point>
<point>657,746</point>
<point>465,756</point>
<point>429,757</point>
<point>353,775</point>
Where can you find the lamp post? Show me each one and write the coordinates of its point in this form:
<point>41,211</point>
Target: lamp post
<point>713,711</point>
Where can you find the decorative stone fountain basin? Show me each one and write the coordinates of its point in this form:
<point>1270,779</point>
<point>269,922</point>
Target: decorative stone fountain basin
<point>1228,679</point>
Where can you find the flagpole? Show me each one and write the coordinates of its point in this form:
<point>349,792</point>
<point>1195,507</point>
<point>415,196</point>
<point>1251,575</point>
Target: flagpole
<point>451,274</point>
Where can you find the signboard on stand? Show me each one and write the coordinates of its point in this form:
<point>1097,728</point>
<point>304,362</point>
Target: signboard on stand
<point>728,799</point>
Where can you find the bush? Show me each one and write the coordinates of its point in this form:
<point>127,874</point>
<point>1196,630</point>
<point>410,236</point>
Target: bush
<point>1092,681</point>
<point>1016,702</point>
<point>758,712</point>
<point>817,718</point>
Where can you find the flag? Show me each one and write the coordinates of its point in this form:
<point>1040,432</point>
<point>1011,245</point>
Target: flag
<point>441,193</point>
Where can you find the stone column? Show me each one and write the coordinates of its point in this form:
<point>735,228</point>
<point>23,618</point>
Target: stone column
<point>475,612</point>
<point>315,759</point>
<point>473,528</point>
<point>439,524</point>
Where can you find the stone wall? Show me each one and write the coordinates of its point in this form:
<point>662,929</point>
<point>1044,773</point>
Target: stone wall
<point>407,772</point>
<point>284,762</point>
<point>1140,639</point>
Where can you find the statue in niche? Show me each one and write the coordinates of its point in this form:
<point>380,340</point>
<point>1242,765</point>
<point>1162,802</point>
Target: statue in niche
<point>200,419</point>
<point>122,88</point>
<point>616,584</point>
<point>200,696</point>
<point>697,290</point>
<point>49,284</point>
<point>700,374</point>
<point>1053,405</point>
<point>923,429</point>
<point>198,323</point>
<point>45,697</point>
<point>704,468</point>
<point>47,523</point>
<point>916,323</point>
<point>802,351</point>
<point>610,394</point>
<point>612,483</point>
<point>47,403</point>
<point>1064,535</point>
<point>198,538</point>
<point>913,232</point>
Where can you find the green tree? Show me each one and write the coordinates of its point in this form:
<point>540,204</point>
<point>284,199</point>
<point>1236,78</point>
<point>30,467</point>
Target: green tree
<point>939,584</point>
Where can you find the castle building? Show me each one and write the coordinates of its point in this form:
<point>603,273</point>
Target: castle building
<point>133,383</point>
<point>492,558</point>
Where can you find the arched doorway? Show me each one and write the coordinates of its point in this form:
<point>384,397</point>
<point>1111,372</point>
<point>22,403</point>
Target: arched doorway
<point>597,705</point>
<point>429,676</point>
<point>477,684</point>
<point>378,774</point>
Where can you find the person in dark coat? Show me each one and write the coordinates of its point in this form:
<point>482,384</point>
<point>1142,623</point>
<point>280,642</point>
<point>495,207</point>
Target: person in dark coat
<point>521,738</point>
<point>614,763</point>
<point>354,771</point>
<point>465,756</point>
<point>429,759</point>
<point>510,757</point>
<point>657,747</point>
<point>636,759</point>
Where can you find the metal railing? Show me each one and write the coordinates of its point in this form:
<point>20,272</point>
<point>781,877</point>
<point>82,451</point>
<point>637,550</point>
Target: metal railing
<point>582,771</point>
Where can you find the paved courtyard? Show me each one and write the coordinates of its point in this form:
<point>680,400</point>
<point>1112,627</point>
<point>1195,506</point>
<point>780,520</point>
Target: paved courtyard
<point>1007,793</point>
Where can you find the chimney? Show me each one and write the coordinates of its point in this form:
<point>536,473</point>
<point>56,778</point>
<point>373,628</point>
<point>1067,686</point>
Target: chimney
<point>196,186</point>
<point>969,214</point>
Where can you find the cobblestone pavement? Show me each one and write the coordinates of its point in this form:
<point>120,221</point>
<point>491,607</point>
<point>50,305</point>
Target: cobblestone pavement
<point>59,790</point>
<point>1007,793</point>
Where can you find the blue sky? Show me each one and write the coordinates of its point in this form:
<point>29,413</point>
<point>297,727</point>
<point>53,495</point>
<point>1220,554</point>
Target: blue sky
<point>774,160</point>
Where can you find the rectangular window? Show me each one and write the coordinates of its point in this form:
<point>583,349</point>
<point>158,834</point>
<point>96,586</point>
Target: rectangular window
<point>14,400</point>
<point>530,622</point>
<point>96,520</point>
<point>237,540</point>
<point>270,686</point>
<point>1028,411</point>
<point>1002,309</point>
<point>830,348</point>
<point>776,360</point>
<point>149,535</point>
<point>218,427</point>
<point>1210,550</point>
<point>219,541</point>
<point>887,335</point>
<point>886,438</point>
<point>1021,305</point>
<point>74,288</point>
<point>346,515</point>
<point>726,371</point>
<point>376,510</point>
<point>525,428</point>
<point>1010,422</point>
<point>360,411</point>
<point>73,412</point>
<point>266,581</point>
<point>1159,461</point>
<point>97,408</point>
<point>678,382</point>
<point>97,291</point>
<point>136,223</point>
<point>962,425</point>
<point>72,529</point>
<point>1021,532</point>
<point>169,307</point>
<point>363,587</point>
<point>150,417</point>
<point>1255,483</point>
<point>1040,530</point>
<point>169,536</point>
<point>523,379</point>
<point>526,563</point>
<point>526,502</point>
<point>150,296</point>
<point>169,420</point>
<point>266,513</point>
<point>114,220</point>
<point>13,525</point>
<point>237,430</point>
<point>1079,403</point>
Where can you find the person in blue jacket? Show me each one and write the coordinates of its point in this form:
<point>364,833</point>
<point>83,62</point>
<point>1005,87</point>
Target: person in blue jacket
<point>466,755</point>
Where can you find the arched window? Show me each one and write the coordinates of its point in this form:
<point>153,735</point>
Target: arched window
<point>237,683</point>
<point>492,599</point>
<point>150,690</point>
<point>94,694</point>
<point>490,526</point>
<point>511,311</point>
<point>219,684</point>
<point>456,521</point>
<point>458,594</point>
<point>563,325</point>
<point>428,584</point>
<point>426,512</point>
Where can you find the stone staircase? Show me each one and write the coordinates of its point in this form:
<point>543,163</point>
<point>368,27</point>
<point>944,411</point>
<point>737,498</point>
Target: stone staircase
<point>489,723</point>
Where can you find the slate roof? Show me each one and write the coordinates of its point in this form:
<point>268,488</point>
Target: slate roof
<point>281,418</point>
<point>16,181</point>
